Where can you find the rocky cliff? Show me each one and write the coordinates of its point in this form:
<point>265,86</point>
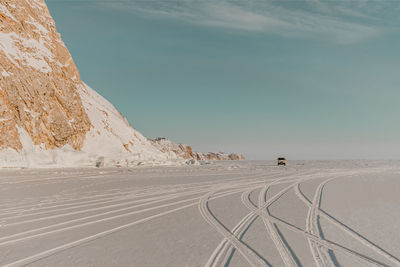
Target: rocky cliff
<point>186,152</point>
<point>38,80</point>
<point>48,116</point>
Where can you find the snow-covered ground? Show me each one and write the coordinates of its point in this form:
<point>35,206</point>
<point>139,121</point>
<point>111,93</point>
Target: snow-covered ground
<point>226,213</point>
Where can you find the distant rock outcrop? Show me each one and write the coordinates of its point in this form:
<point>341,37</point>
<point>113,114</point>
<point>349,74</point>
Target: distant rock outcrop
<point>186,151</point>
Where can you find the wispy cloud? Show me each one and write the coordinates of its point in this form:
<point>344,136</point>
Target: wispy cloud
<point>338,21</point>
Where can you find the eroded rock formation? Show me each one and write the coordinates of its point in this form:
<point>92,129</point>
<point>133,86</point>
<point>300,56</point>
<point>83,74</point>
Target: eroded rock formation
<point>186,151</point>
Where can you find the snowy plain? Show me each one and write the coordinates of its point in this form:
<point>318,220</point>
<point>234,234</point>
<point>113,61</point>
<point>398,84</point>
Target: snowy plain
<point>250,213</point>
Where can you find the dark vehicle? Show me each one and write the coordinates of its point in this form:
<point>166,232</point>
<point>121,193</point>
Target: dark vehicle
<point>282,161</point>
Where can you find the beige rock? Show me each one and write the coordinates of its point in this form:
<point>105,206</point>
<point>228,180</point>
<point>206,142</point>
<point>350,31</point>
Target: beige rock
<point>38,80</point>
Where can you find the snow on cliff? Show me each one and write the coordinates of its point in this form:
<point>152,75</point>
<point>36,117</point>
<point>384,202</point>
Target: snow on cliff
<point>48,116</point>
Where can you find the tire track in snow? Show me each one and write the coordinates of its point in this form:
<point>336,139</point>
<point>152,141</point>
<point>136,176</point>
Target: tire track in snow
<point>365,260</point>
<point>320,254</point>
<point>78,212</point>
<point>288,257</point>
<point>60,200</point>
<point>81,241</point>
<point>326,243</point>
<point>152,191</point>
<point>17,237</point>
<point>348,230</point>
<point>157,199</point>
<point>225,247</point>
<point>57,208</point>
<point>252,258</point>
<point>323,242</point>
<point>5,239</point>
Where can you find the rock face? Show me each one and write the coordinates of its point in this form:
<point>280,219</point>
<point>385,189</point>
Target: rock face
<point>38,80</point>
<point>48,116</point>
<point>186,152</point>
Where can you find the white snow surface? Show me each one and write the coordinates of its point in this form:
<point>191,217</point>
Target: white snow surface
<point>333,213</point>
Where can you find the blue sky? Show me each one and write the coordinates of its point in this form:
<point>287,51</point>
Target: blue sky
<point>306,79</point>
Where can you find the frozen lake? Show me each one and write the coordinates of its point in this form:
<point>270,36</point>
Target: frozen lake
<point>328,213</point>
